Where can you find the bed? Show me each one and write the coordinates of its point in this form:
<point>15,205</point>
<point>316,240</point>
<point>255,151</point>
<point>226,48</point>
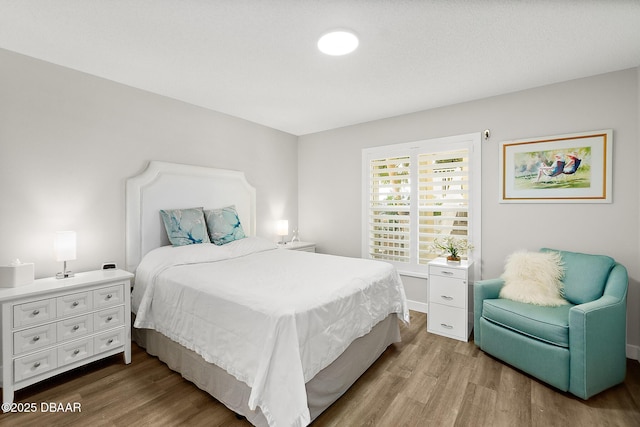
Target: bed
<point>275,335</point>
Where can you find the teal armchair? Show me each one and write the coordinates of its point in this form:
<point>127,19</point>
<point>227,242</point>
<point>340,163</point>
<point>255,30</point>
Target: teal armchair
<point>580,347</point>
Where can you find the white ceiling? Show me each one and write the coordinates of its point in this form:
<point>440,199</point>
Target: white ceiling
<point>257,59</point>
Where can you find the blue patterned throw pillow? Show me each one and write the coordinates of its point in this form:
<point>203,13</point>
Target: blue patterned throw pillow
<point>185,226</point>
<point>224,225</point>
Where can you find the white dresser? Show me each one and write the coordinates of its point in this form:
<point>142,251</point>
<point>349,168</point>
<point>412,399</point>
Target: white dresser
<point>54,325</point>
<point>450,298</point>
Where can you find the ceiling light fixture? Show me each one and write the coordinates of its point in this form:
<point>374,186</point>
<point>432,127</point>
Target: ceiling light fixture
<point>339,42</point>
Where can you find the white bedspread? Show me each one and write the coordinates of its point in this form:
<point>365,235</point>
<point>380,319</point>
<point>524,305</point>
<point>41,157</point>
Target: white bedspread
<point>272,318</point>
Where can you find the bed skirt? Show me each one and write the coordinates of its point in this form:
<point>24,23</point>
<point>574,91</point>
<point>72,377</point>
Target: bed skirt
<point>322,390</point>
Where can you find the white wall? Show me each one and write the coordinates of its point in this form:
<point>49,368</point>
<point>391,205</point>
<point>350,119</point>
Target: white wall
<point>68,142</point>
<point>330,175</point>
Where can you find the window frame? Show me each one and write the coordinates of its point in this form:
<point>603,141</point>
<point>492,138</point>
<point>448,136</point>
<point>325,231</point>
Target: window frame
<point>472,142</point>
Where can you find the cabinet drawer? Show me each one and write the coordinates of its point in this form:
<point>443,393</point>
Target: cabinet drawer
<point>35,364</point>
<point>443,290</point>
<point>75,327</point>
<point>34,338</point>
<point>74,351</point>
<point>69,305</point>
<point>108,318</point>
<point>107,297</point>
<point>446,320</point>
<point>456,273</point>
<point>108,340</point>
<point>34,312</point>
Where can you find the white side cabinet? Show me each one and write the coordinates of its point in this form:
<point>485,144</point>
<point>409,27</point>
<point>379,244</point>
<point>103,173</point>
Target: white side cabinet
<point>54,325</point>
<point>450,298</point>
<point>299,246</point>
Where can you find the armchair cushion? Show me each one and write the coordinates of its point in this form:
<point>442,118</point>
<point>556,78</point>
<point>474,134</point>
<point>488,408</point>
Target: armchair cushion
<point>548,324</point>
<point>585,275</point>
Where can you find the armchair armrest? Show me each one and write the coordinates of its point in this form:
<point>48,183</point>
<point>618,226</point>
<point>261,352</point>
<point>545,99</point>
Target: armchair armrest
<point>597,338</point>
<point>482,290</point>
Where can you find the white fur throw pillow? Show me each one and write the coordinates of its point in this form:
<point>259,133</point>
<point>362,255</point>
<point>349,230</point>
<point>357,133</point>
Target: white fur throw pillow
<point>534,278</point>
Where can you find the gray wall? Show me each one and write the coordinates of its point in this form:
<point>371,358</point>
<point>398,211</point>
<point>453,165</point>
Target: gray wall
<point>68,142</point>
<point>330,175</point>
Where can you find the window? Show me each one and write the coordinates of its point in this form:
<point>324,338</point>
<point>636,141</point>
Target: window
<point>415,192</point>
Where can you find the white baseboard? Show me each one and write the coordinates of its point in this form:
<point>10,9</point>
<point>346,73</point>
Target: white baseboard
<point>633,352</point>
<point>417,306</point>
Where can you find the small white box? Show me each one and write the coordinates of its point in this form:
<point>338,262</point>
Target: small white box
<point>12,276</point>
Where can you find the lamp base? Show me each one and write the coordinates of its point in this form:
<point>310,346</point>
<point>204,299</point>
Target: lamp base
<point>64,275</point>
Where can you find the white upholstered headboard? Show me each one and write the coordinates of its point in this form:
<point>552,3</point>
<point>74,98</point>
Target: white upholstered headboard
<point>174,186</point>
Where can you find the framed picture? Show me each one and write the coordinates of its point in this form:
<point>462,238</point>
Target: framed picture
<point>573,168</point>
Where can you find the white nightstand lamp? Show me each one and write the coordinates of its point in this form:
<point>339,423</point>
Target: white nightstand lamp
<point>65,250</point>
<point>282,230</point>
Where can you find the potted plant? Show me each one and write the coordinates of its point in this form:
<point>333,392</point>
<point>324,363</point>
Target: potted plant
<point>453,246</point>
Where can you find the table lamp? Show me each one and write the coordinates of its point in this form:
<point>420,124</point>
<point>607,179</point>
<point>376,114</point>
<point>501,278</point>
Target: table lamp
<point>65,250</point>
<point>282,229</point>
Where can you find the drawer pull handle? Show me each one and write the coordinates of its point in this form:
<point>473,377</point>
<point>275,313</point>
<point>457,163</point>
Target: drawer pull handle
<point>109,341</point>
<point>76,351</point>
<point>109,296</point>
<point>36,365</point>
<point>74,304</point>
<point>446,298</point>
<point>76,327</point>
<point>109,319</point>
<point>35,312</point>
<point>36,338</point>
<point>448,273</point>
<point>444,325</point>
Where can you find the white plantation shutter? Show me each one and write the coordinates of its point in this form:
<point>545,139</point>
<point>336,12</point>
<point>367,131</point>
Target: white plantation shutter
<point>390,209</point>
<point>413,193</point>
<point>443,191</point>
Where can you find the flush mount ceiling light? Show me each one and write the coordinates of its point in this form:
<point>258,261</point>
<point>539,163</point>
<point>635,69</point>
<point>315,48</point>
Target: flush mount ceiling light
<point>339,42</point>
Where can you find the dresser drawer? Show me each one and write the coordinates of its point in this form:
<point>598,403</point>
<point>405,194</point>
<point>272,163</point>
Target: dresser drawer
<point>109,318</point>
<point>446,320</point>
<point>443,271</point>
<point>34,338</point>
<point>34,312</point>
<point>107,297</point>
<point>74,351</point>
<point>77,303</point>
<point>108,340</point>
<point>75,327</point>
<point>35,364</point>
<point>447,291</point>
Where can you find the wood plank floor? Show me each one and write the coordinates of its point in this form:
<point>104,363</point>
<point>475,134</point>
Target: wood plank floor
<point>425,380</point>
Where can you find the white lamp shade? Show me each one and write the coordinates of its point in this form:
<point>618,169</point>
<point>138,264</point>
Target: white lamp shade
<point>282,227</point>
<point>64,246</point>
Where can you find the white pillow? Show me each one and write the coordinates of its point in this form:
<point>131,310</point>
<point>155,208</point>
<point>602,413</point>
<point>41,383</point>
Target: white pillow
<point>534,278</point>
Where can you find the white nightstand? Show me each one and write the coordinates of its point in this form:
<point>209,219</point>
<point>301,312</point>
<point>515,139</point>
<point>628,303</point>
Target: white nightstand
<point>51,326</point>
<point>299,246</point>
<point>450,299</point>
